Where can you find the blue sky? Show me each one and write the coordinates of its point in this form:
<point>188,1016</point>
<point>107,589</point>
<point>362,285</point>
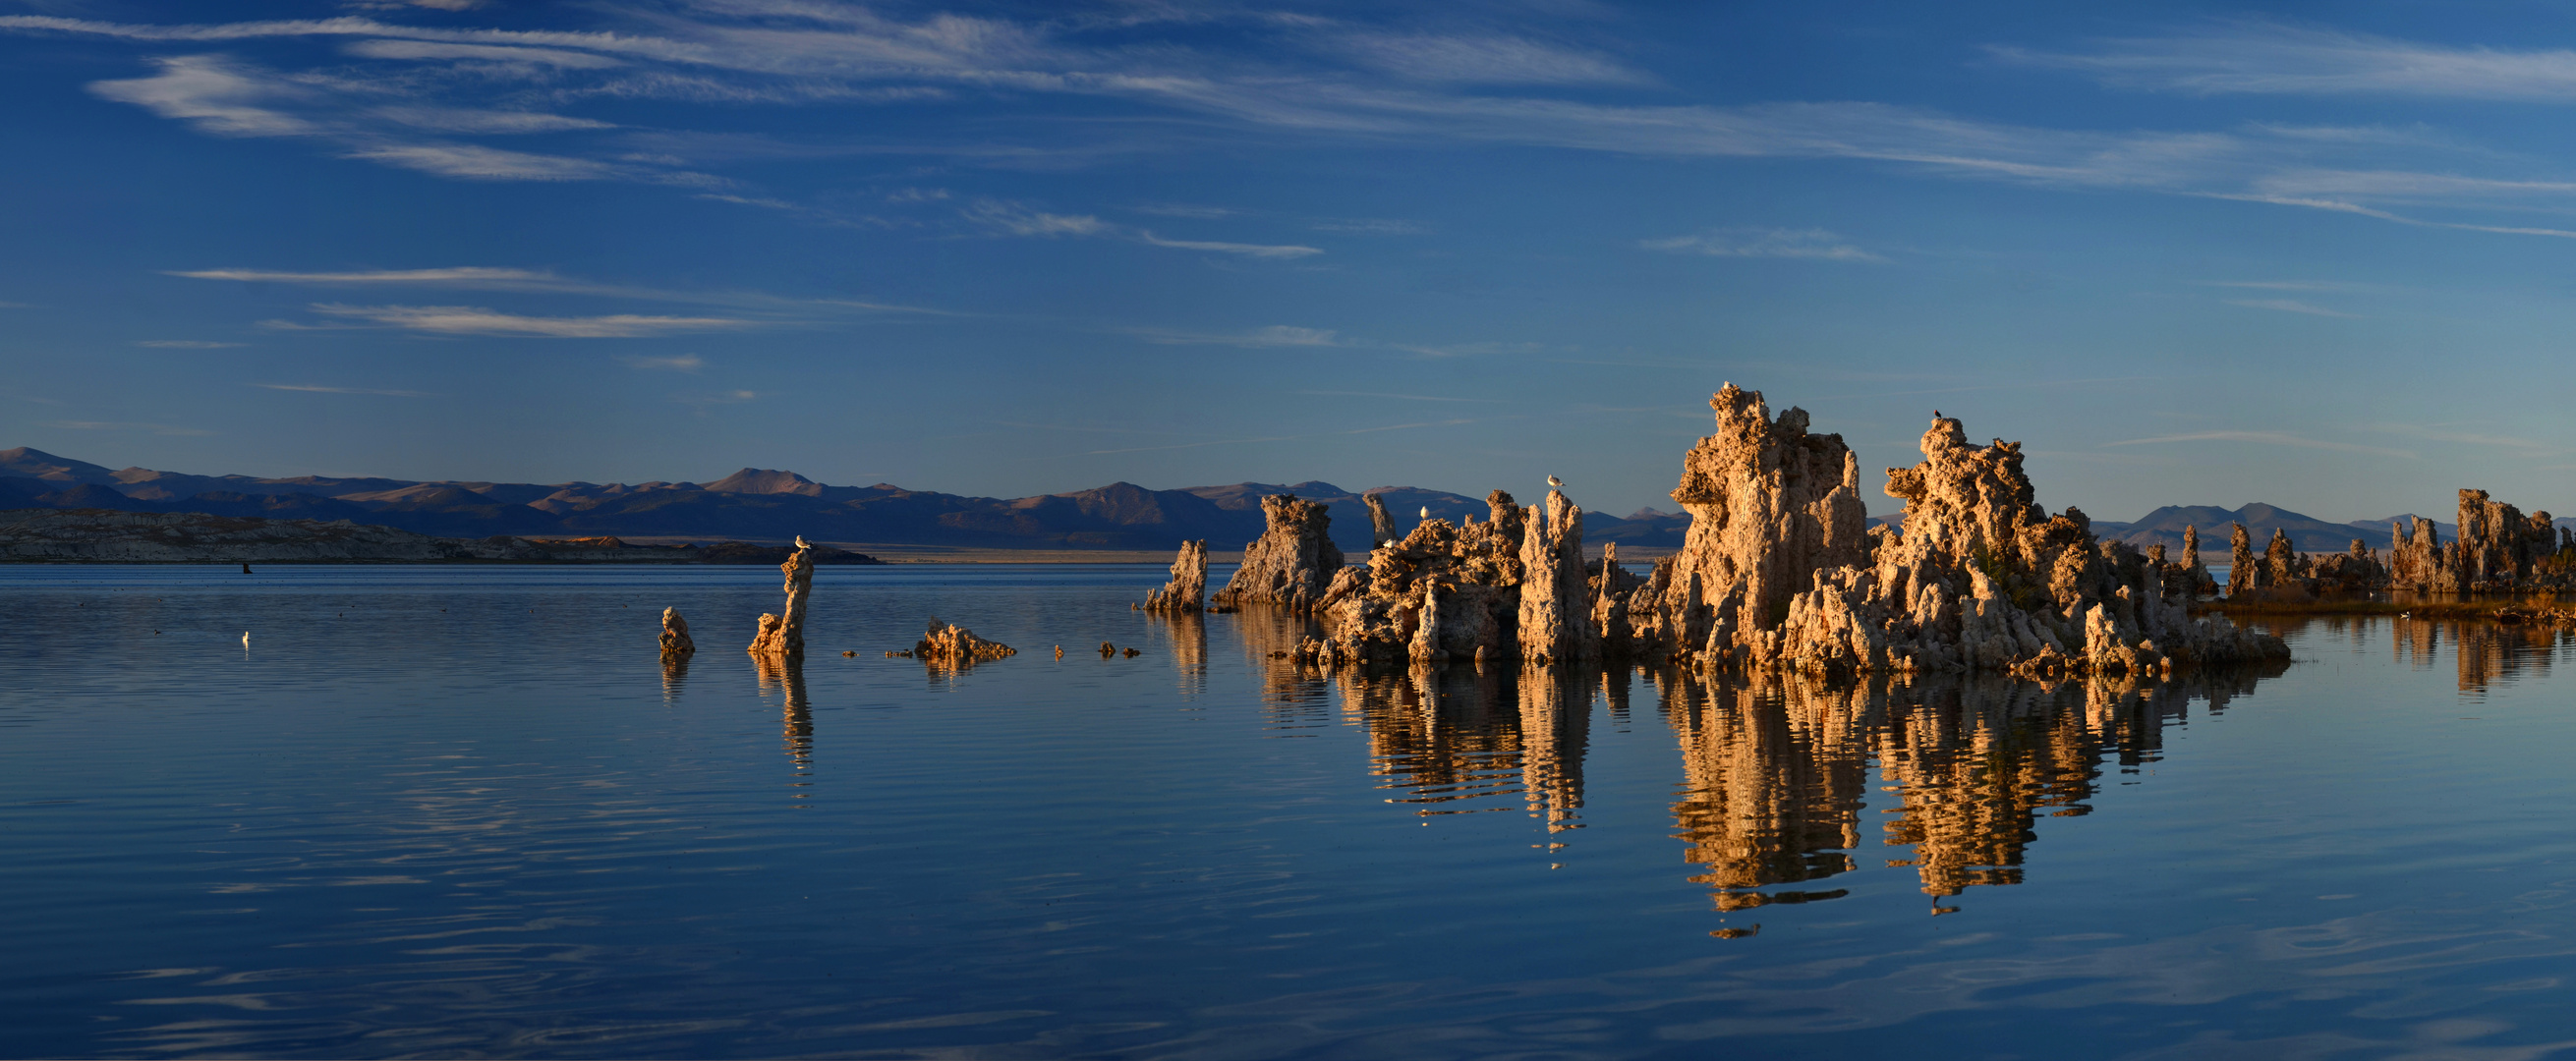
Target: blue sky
<point>2317,255</point>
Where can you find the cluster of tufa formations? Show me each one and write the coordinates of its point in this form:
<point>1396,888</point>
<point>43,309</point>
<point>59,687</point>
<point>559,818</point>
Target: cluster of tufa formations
<point>2499,550</point>
<point>1781,571</point>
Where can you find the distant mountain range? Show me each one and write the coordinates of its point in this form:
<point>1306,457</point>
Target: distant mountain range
<point>759,505</point>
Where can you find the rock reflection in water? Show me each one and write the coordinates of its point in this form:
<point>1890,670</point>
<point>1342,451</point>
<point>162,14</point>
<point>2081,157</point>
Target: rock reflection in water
<point>1778,772</point>
<point>2486,653</point>
<point>1458,740</point>
<point>1295,698</point>
<point>797,716</point>
<point>1185,635</point>
<point>675,673</point>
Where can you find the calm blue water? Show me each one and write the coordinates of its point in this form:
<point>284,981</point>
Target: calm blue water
<point>464,811</point>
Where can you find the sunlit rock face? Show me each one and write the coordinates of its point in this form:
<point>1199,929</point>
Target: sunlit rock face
<point>1381,523</point>
<point>1443,592</point>
<point>1781,570</point>
<point>1978,577</point>
<point>675,634</point>
<point>953,645</point>
<point>1554,624</point>
<point>783,636</point>
<point>2500,548</point>
<point>1770,504</point>
<point>1293,563</point>
<point>1187,591</point>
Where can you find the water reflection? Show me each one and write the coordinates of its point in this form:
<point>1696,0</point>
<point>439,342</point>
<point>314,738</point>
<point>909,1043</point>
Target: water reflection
<point>1556,727</point>
<point>1772,784</point>
<point>1778,773</point>
<point>787,675</point>
<point>1186,637</point>
<point>1296,701</point>
<point>675,673</point>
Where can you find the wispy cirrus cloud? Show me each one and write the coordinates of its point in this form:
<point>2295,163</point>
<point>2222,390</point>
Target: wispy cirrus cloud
<point>121,425</point>
<point>1273,336</point>
<point>678,363</point>
<point>1482,60</point>
<point>495,278</point>
<point>2269,58</point>
<point>316,388</point>
<point>185,344</point>
<point>2289,305</point>
<point>1401,397</point>
<point>478,321</point>
<point>2266,438</point>
<point>1813,243</point>
<point>1014,219</point>
<point>2446,433</point>
<point>451,84</point>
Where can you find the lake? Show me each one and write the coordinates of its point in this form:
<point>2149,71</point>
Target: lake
<point>466,811</point>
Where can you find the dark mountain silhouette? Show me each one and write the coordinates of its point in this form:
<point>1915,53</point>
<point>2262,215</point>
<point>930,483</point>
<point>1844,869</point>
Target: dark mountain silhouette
<point>758,504</point>
<point>2307,533</point>
<point>772,505</point>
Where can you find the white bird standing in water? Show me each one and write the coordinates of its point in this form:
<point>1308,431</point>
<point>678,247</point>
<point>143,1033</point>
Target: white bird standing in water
<point>1554,481</point>
<point>245,639</point>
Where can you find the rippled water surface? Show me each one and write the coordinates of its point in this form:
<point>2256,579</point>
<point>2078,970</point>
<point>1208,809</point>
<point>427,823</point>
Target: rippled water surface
<point>464,811</point>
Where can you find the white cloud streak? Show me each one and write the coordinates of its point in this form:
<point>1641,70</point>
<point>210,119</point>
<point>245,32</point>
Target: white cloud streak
<point>1812,243</point>
<point>1376,86</point>
<point>475,320</point>
<point>2265,438</point>
<point>114,425</point>
<point>315,388</point>
<point>2264,58</point>
<point>185,344</point>
<point>1013,219</point>
<point>1276,335</point>
<point>2288,305</point>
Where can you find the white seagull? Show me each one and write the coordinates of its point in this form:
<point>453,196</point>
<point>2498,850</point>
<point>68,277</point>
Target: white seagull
<point>1426,512</point>
<point>800,542</point>
<point>245,639</point>
<point>1554,481</point>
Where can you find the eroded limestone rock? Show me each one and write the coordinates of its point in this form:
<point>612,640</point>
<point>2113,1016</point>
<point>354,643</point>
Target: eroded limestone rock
<point>1381,524</point>
<point>1979,577</point>
<point>1187,591</point>
<point>1555,613</point>
<point>783,636</point>
<point>1770,504</point>
<point>675,634</point>
<point>1294,562</point>
<point>1781,571</point>
<point>952,644</point>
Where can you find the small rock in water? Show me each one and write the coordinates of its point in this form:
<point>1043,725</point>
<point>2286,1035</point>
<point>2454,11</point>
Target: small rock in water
<point>1135,652</point>
<point>852,652</point>
<point>1107,650</point>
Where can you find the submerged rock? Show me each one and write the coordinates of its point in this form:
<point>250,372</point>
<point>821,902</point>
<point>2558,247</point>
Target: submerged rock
<point>1293,563</point>
<point>1187,591</point>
